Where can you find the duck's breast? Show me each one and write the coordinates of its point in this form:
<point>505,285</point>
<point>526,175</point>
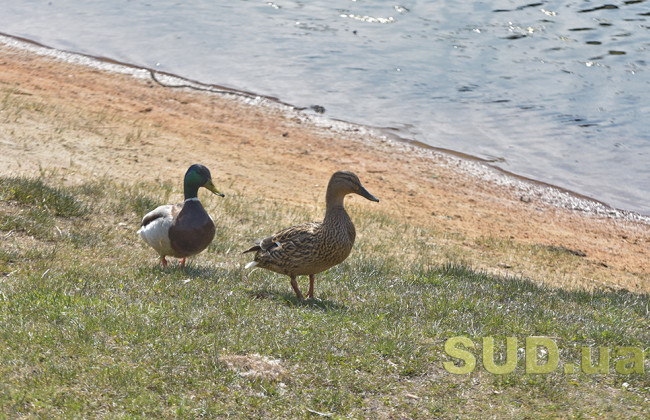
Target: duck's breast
<point>192,230</point>
<point>338,238</point>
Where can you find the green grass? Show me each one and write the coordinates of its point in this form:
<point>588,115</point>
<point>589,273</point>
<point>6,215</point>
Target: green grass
<point>33,192</point>
<point>92,326</point>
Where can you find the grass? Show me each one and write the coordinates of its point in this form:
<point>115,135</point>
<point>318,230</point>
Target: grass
<point>92,326</point>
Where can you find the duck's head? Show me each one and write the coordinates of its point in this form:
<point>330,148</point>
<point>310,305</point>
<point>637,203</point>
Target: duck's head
<point>198,176</point>
<point>344,182</point>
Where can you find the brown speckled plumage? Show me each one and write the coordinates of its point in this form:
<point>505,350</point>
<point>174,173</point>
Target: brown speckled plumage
<point>310,248</point>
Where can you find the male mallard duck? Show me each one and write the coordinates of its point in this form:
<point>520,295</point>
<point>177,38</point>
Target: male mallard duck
<point>182,230</point>
<point>311,248</point>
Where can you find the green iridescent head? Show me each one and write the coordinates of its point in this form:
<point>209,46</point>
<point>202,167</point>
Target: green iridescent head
<point>198,176</point>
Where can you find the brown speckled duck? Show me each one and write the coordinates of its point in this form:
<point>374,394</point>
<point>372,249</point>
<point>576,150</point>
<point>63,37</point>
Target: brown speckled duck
<point>182,230</point>
<point>311,248</point>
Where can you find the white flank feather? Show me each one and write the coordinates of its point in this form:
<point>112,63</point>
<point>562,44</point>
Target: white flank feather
<point>251,264</point>
<point>156,233</point>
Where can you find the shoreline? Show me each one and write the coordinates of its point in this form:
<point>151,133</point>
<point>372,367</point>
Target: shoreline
<point>266,147</point>
<point>552,194</point>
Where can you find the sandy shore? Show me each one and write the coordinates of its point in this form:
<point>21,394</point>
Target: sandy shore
<point>80,121</point>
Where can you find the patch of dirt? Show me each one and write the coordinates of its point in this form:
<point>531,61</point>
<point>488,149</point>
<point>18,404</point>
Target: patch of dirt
<point>81,122</point>
<point>255,366</point>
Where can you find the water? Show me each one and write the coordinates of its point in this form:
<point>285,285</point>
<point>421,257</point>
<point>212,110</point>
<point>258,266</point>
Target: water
<point>551,90</point>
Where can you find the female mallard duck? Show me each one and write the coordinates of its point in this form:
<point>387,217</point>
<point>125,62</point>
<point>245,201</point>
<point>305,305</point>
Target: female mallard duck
<point>311,248</point>
<point>182,230</point>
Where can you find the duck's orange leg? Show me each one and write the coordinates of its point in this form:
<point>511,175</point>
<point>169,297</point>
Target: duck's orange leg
<point>296,289</point>
<point>163,261</point>
<point>310,293</point>
<point>183,263</point>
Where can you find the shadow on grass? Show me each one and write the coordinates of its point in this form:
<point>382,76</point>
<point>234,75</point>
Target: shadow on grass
<point>290,299</point>
<point>190,270</point>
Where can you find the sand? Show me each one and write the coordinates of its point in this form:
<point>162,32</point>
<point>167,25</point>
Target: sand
<point>80,120</point>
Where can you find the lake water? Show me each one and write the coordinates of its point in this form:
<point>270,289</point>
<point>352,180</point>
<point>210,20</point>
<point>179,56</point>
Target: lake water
<point>557,91</point>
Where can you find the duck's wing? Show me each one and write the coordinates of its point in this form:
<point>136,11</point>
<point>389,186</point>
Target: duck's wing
<point>292,237</point>
<point>288,249</point>
<point>168,211</point>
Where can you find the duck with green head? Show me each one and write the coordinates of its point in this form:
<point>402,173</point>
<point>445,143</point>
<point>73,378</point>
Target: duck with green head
<point>311,248</point>
<point>182,230</point>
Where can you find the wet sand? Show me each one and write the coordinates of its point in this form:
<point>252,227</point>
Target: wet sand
<point>80,121</point>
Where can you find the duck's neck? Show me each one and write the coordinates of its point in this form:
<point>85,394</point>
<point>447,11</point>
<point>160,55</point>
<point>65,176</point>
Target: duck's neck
<point>191,190</point>
<point>335,213</point>
<point>337,219</point>
<point>334,207</point>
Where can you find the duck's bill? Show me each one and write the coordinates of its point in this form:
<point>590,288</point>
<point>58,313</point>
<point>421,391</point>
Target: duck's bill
<point>365,194</point>
<point>210,186</point>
